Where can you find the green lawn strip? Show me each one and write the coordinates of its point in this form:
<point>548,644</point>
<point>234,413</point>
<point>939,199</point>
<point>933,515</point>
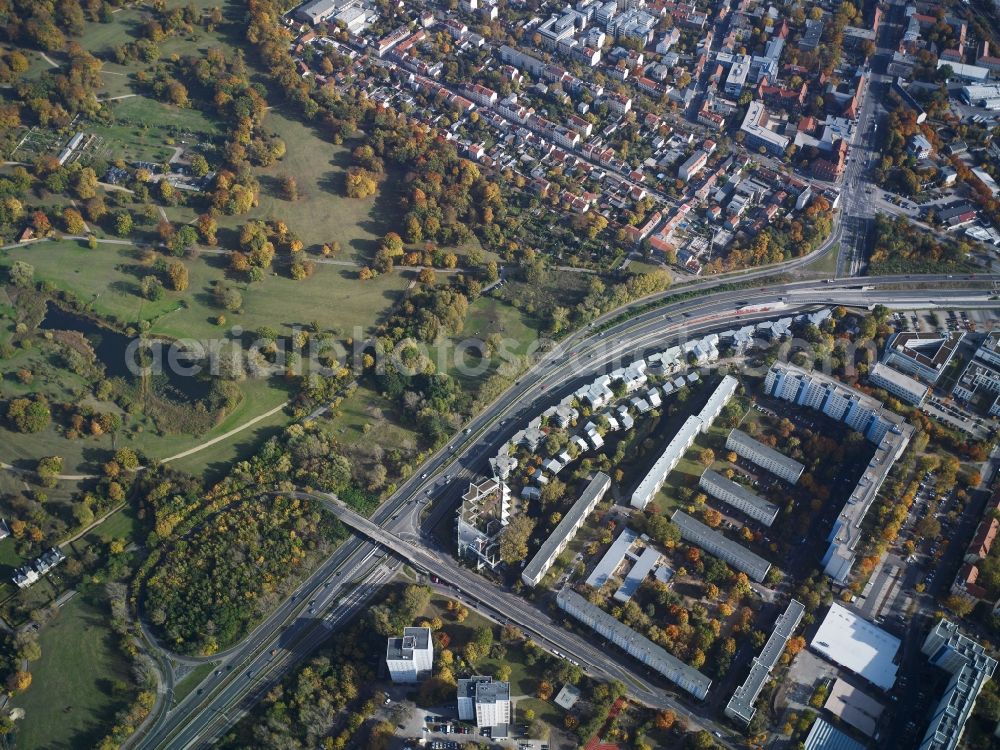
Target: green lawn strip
<point>191,680</point>
<point>363,407</point>
<point>214,461</point>
<point>76,685</point>
<point>545,711</point>
<point>122,524</point>
<point>8,555</point>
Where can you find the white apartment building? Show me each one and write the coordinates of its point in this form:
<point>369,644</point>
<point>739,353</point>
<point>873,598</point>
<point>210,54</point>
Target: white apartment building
<point>657,475</point>
<point>738,496</point>
<point>486,701</point>
<point>716,543</point>
<point>565,530</point>
<point>898,384</point>
<point>970,669</point>
<point>764,456</point>
<point>410,657</point>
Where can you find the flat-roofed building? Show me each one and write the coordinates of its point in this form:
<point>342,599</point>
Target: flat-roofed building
<point>758,134</point>
<point>318,11</point>
<point>683,440</point>
<point>850,641</point>
<point>981,377</point>
<point>825,736</point>
<point>764,456</point>
<point>741,706</point>
<point>738,496</point>
<point>487,702</point>
<point>715,543</point>
<point>641,568</point>
<point>673,453</point>
<point>970,669</point>
<point>854,707</point>
<point>565,530</point>
<point>685,677</point>
<point>889,431</point>
<point>737,77</point>
<point>612,559</point>
<point>897,383</point>
<point>410,657</point>
<point>924,355</point>
<point>692,166</point>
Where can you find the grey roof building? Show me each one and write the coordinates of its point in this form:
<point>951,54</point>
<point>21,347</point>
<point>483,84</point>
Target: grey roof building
<point>409,657</point>
<point>738,496</point>
<point>487,701</point>
<point>923,354</point>
<point>565,530</point>
<point>764,456</point>
<point>970,669</point>
<point>685,677</point>
<point>740,706</point>
<point>716,544</point>
<point>317,11</point>
<point>899,384</point>
<point>692,427</point>
<point>889,431</point>
<point>824,736</point>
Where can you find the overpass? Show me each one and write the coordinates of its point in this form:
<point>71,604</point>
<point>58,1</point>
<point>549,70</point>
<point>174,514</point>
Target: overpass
<point>506,607</point>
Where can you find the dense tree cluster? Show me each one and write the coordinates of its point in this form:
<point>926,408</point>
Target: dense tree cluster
<point>899,247</point>
<point>213,584</point>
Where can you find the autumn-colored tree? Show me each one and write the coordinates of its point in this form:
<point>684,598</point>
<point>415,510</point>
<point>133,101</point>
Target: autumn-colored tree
<point>665,719</point>
<point>712,517</point>
<point>207,228</point>
<point>178,274</point>
<point>795,645</point>
<point>360,183</point>
<point>19,681</point>
<point>73,221</point>
<point>544,691</point>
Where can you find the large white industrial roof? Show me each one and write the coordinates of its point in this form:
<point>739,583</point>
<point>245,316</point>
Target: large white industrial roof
<point>855,644</point>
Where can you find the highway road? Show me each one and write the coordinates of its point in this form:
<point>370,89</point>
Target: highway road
<point>205,715</point>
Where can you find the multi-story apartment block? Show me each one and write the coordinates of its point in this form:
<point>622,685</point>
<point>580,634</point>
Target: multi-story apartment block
<point>685,677</point>
<point>715,543</point>
<point>657,475</point>
<point>887,430</point>
<point>566,529</point>
<point>482,517</point>
<point>487,702</point>
<point>970,669</point>
<point>738,496</point>
<point>740,706</point>
<point>764,456</point>
<point>410,657</point>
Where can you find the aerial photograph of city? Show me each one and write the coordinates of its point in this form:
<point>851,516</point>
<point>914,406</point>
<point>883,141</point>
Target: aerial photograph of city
<point>500,374</point>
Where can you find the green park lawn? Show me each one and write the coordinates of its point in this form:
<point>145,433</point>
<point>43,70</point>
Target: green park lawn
<point>86,454</point>
<point>107,280</point>
<point>142,128</point>
<point>322,213</point>
<point>71,702</point>
<point>365,406</point>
